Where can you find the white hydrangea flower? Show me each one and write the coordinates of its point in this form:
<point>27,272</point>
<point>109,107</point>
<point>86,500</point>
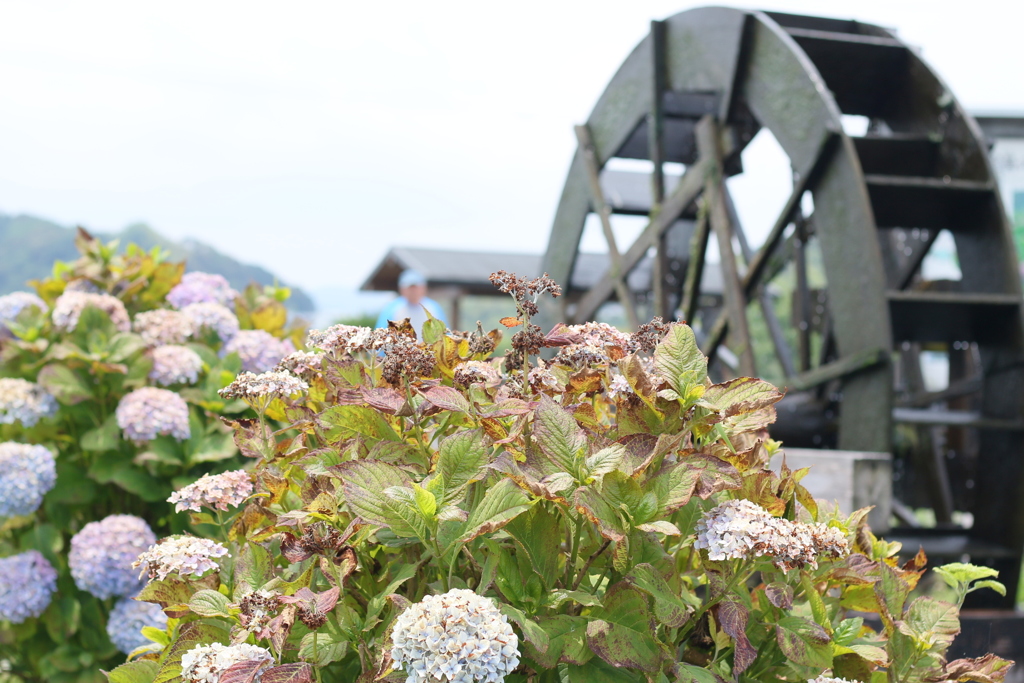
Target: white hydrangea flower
<point>163,326</point>
<point>69,306</point>
<point>341,339</point>
<point>184,555</point>
<point>174,364</point>
<point>738,529</point>
<point>218,491</point>
<point>302,363</point>
<point>24,401</point>
<point>828,679</point>
<point>618,386</point>
<point>206,663</point>
<point>249,385</point>
<point>459,636</point>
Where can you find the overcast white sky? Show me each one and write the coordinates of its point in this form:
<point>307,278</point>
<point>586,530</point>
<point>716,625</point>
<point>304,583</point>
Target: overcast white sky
<point>309,137</point>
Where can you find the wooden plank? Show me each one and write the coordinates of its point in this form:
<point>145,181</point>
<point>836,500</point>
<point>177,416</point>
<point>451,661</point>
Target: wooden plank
<point>803,294</point>
<point>708,133</point>
<point>600,206</point>
<point>837,369</point>
<point>682,196</point>
<point>953,418</point>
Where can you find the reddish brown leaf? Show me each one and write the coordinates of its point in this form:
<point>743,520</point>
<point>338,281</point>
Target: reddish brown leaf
<point>297,672</point>
<point>732,616</point>
<point>242,672</point>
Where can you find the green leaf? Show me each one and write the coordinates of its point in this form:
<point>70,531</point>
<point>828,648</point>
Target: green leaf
<point>253,569</point>
<point>139,671</point>
<point>669,608</point>
<point>622,632</point>
<point>558,435</point>
<point>329,647</point>
<point>598,671</point>
<point>532,632</point>
<point>931,622</point>
<point>964,573</point>
<point>425,500</point>
<point>688,673</point>
<point>124,345</point>
<point>363,486</point>
<point>804,642</point>
<point>679,361</point>
<point>604,461</point>
<point>346,421</point>
<point>460,461</point>
<point>404,512</point>
<point>66,386</point>
<point>538,534</point>
<point>209,603</point>
<point>141,483</point>
<point>741,395</point>
<point>106,437</point>
<point>73,487</point>
<point>994,585</point>
<point>433,329</point>
<point>847,631</point>
<point>567,641</point>
<point>502,503</point>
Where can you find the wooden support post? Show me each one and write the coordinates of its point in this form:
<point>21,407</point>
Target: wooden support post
<point>771,320</point>
<point>681,197</point>
<point>709,146</point>
<point>601,208</point>
<point>803,294</point>
<point>656,142</point>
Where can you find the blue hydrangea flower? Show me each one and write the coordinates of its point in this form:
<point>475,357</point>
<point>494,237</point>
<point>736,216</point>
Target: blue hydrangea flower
<point>174,364</point>
<point>128,618</point>
<point>197,287</point>
<point>102,554</point>
<point>27,583</point>
<point>213,316</point>
<point>259,350</point>
<point>147,413</point>
<point>13,304</point>
<point>27,472</point>
<point>24,401</point>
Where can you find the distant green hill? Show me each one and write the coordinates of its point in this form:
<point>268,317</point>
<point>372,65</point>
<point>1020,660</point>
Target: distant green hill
<point>30,245</point>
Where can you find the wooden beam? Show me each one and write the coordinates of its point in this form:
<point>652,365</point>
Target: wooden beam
<point>604,211</point>
<point>837,369</point>
<point>708,133</point>
<point>695,269</point>
<point>914,261</point>
<point>682,196</point>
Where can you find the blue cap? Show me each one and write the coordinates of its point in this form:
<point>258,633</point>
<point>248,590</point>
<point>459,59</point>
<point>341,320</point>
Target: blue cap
<point>411,277</point>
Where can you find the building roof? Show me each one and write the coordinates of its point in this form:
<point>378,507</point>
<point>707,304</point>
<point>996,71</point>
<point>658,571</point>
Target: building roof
<point>470,270</point>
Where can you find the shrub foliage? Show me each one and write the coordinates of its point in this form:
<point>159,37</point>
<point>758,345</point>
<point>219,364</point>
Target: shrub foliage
<point>612,504</point>
<point>68,358</point>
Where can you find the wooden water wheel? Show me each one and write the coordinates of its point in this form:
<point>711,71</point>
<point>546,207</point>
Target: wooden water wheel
<point>695,91</point>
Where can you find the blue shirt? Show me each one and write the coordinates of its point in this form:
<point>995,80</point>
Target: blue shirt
<point>399,309</point>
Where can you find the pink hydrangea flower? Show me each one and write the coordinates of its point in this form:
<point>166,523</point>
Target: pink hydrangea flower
<point>147,413</point>
<point>217,491</point>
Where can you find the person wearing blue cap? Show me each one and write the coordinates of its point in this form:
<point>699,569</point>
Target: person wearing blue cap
<point>411,302</point>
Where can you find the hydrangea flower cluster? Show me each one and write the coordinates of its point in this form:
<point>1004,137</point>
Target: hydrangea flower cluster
<point>69,306</point>
<point>147,413</point>
<point>341,339</point>
<point>27,472</point>
<point>473,371</point>
<point>184,555</point>
<point>249,385</point>
<point>198,288</point>
<point>828,679</point>
<point>738,529</point>
<point>175,365</point>
<point>163,326</point>
<point>25,402</point>
<point>102,554</point>
<point>302,363</point>
<point>11,305</point>
<point>213,316</point>
<point>206,663</point>
<point>27,583</point>
<point>217,491</point>
<point>459,636</point>
<point>259,350</point>
<point>257,609</point>
<point>127,619</point>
